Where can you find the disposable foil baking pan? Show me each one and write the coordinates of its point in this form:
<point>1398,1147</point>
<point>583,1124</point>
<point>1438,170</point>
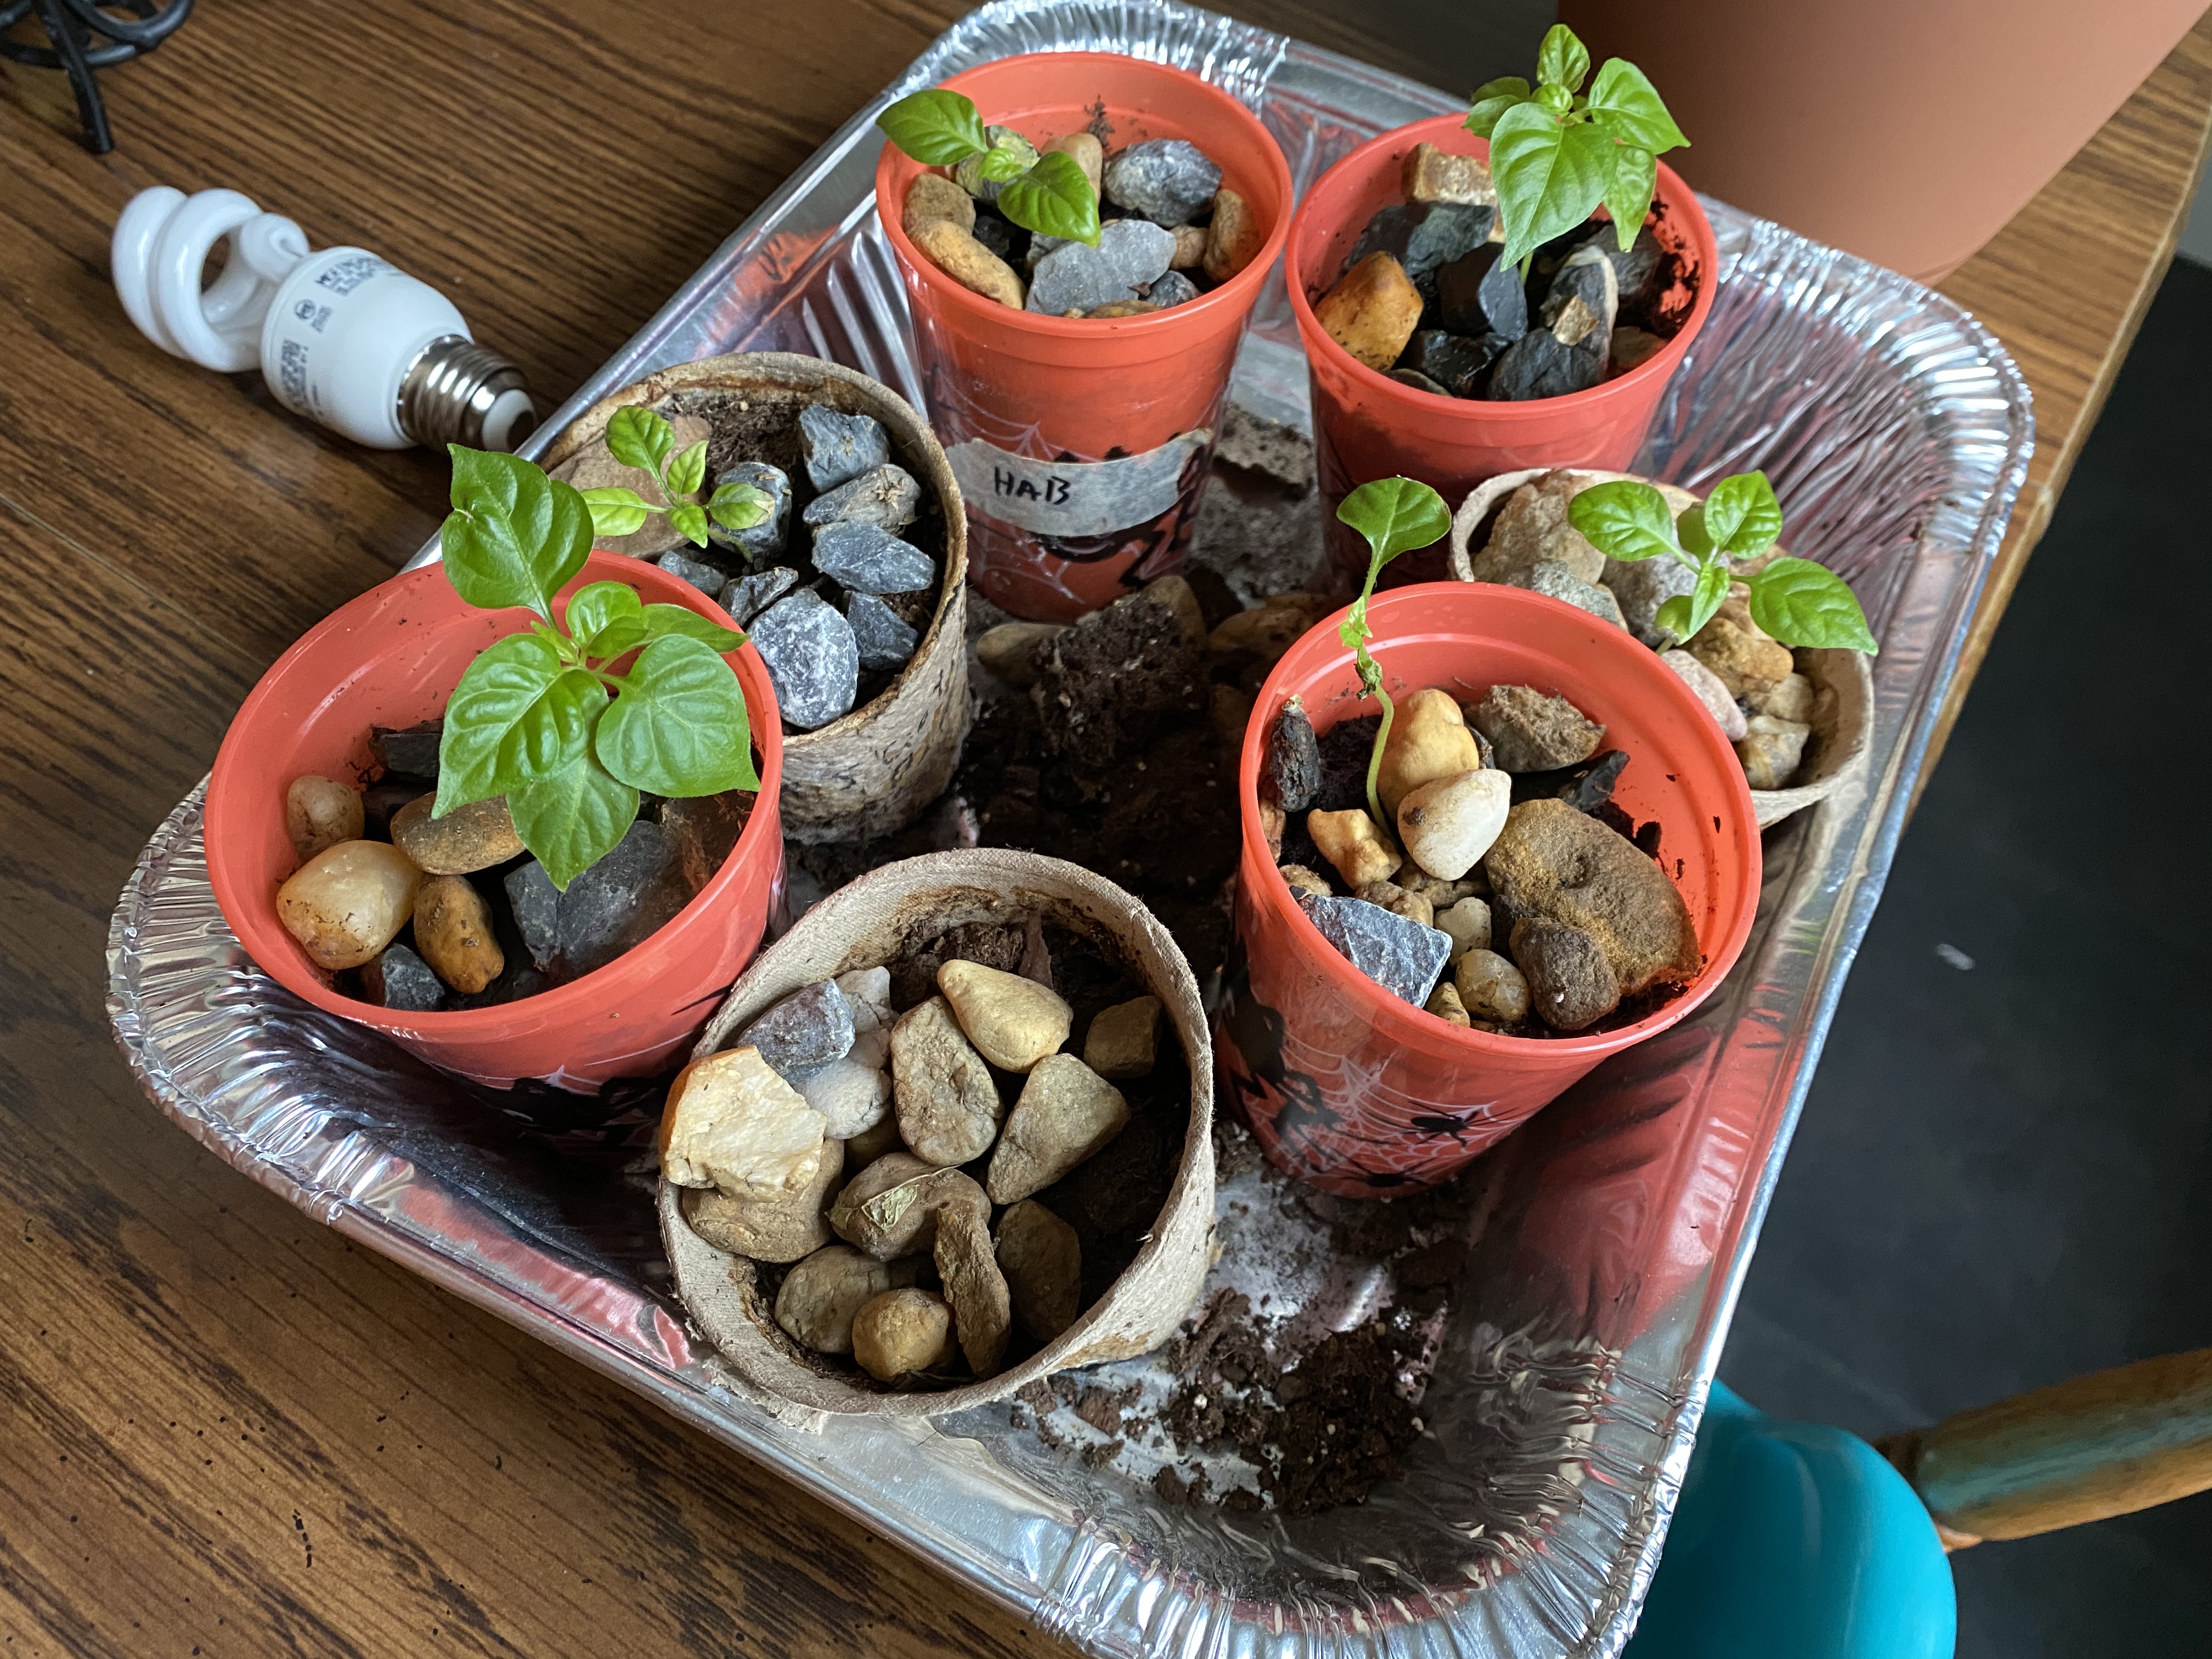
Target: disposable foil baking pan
<point>1610,1237</point>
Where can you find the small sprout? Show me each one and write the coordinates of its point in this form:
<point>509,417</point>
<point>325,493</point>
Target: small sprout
<point>643,438</point>
<point>541,717</point>
<point>1554,155</point>
<point>1048,194</point>
<point>1794,600</point>
<point>1396,515</point>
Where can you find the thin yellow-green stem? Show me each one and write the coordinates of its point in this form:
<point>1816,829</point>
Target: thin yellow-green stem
<point>1375,759</point>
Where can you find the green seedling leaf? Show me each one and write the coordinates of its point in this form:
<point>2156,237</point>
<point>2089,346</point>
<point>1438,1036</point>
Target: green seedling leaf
<point>1563,60</point>
<point>640,437</point>
<point>935,127</point>
<point>1549,176</point>
<point>515,536</point>
<point>1053,198</point>
<point>1396,515</point>
<point>1010,155</point>
<point>690,521</point>
<point>679,727</point>
<point>688,471</point>
<point>1800,603</point>
<point>1629,107</point>
<point>739,506</point>
<point>1628,194</point>
<point>614,510</point>
<point>1691,528</point>
<point>1556,99</point>
<point>1493,99</point>
<point>1625,520</point>
<point>518,715</point>
<point>1741,517</point>
<point>603,612</point>
<point>677,621</point>
<point>574,818</point>
<point>1685,613</point>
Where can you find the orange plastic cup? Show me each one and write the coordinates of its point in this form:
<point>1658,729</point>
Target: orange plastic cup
<point>1082,446</point>
<point>1361,1093</point>
<point>1367,425</point>
<point>391,658</point>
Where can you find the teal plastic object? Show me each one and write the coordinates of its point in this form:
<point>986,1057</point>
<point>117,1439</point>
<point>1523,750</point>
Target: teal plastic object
<point>1796,1540</point>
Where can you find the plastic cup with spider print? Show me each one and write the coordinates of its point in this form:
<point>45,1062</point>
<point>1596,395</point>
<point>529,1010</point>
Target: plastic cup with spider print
<point>1081,444</point>
<point>1361,1093</point>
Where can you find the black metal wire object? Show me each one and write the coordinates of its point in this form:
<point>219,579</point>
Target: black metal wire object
<point>123,28</point>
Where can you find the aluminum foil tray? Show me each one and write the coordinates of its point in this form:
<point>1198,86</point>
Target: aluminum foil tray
<point>1609,1237</point>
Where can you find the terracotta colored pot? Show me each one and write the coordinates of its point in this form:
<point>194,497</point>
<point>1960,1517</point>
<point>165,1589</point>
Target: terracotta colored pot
<point>1905,131</point>
<point>1082,445</point>
<point>1361,1093</point>
<point>868,773</point>
<point>391,658</point>
<point>1368,425</point>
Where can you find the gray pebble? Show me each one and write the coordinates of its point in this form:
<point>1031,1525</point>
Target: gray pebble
<point>1166,179</point>
<point>885,496</point>
<point>766,539</point>
<point>884,640</point>
<point>1040,244</point>
<point>870,559</point>
<point>622,901</point>
<point>400,979</point>
<point>1399,954</point>
<point>1555,580</point>
<point>1423,236</point>
<point>747,597</point>
<point>810,1027</point>
<point>1173,290</point>
<point>704,577</point>
<point>1131,254</point>
<point>536,906</point>
<point>1642,586</point>
<point>840,446</point>
<point>811,658</point>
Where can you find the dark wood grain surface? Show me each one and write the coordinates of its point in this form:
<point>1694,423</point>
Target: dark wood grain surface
<point>224,1430</point>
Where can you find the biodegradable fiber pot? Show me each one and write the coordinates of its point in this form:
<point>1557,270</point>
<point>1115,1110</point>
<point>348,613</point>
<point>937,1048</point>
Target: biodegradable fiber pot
<point>1368,425</point>
<point>391,658</point>
<point>1843,721</point>
<point>1082,445</point>
<point>1363,1094</point>
<point>871,771</point>
<point>871,921</point>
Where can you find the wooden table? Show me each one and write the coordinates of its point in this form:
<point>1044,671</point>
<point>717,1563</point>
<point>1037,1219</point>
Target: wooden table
<point>227,1431</point>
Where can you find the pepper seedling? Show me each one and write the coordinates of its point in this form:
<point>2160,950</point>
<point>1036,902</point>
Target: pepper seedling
<point>1556,152</point>
<point>542,717</point>
<point>644,438</point>
<point>1049,194</point>
<point>1794,600</point>
<point>1396,515</point>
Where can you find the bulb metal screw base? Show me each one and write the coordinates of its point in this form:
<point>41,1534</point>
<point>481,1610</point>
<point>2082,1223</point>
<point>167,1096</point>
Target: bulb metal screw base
<point>460,392</point>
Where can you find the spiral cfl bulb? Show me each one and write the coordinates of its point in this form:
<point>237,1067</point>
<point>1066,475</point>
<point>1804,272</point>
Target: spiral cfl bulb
<point>342,338</point>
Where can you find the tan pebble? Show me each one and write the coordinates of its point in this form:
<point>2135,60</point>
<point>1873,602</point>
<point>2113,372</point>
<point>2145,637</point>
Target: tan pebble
<point>732,1122</point>
<point>892,1207</point>
<point>1350,841</point>
<point>933,197</point>
<point>969,263</point>
<point>901,1332</point>
<point>865,1147</point>
<point>820,1295</point>
<point>1447,825</point>
<point>1490,987</point>
<point>1014,1021</point>
<point>1396,900</point>
<point>781,1229</point>
<point>947,1104</point>
<point>1089,155</point>
<point>1260,636</point>
<point>1299,879</point>
<point>1566,866</point>
<point>1771,749</point>
<point>1067,1112</point>
<point>1372,310</point>
<point>1744,662</point>
<point>968,1266</point>
<point>1706,686</point>
<point>1114,308</point>
<point>1443,1002</point>
<point>349,901</point>
<point>467,839</point>
<point>319,812</point>
<point>1272,822</point>
<point>1123,1040</point>
<point>1789,698</point>
<point>455,934</point>
<point>1428,739</point>
<point>1235,238</point>
<point>1041,1260</point>
<point>1532,527</point>
<point>1533,731</point>
<point>1189,248</point>
<point>1430,174</point>
<point>1467,921</point>
<point>1010,650</point>
<point>1439,893</point>
<point>1179,596</point>
<point>1633,348</point>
